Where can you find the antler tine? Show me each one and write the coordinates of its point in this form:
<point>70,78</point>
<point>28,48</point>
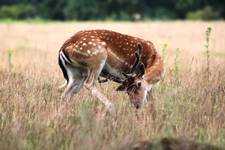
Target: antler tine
<point>138,54</point>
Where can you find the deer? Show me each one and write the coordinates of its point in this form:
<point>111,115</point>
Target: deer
<point>130,61</point>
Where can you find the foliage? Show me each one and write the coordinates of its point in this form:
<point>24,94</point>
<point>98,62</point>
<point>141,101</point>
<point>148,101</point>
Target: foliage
<point>20,11</point>
<point>207,34</point>
<point>164,14</point>
<point>51,9</point>
<point>10,53</point>
<point>112,9</point>
<point>206,13</point>
<point>164,47</point>
<point>176,65</point>
<point>83,10</point>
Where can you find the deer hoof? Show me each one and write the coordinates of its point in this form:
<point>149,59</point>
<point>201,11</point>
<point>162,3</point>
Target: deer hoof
<point>111,108</point>
<point>62,85</point>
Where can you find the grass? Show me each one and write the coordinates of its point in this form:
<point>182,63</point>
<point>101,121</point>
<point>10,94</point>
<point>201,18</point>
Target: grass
<point>192,108</point>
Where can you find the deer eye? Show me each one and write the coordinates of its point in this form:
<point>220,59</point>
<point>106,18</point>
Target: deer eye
<point>139,84</point>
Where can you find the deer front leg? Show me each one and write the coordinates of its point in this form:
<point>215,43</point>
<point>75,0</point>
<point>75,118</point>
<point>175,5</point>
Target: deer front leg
<point>89,84</point>
<point>102,98</point>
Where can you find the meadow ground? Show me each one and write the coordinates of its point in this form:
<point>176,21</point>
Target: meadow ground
<point>188,103</point>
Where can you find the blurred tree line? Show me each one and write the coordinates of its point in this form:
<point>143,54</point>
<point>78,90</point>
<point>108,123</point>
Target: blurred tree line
<point>112,9</point>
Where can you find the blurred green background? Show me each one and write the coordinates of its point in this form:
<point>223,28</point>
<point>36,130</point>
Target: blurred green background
<point>103,10</point>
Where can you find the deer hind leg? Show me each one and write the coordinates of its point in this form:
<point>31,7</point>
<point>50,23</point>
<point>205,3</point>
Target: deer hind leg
<point>72,88</point>
<point>74,76</point>
<point>76,80</point>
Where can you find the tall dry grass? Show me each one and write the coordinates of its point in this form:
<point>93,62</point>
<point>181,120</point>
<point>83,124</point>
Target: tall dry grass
<point>186,104</point>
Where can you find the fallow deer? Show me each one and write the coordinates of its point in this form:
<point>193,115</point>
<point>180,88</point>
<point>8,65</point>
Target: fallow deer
<point>130,61</point>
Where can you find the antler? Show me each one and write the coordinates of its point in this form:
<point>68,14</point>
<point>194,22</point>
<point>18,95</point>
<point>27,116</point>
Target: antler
<point>137,70</point>
<point>138,55</point>
<point>138,67</point>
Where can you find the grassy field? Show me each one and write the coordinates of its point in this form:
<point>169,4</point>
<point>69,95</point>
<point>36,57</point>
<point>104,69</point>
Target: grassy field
<point>188,104</point>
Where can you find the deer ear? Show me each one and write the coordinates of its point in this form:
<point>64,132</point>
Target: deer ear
<point>121,88</point>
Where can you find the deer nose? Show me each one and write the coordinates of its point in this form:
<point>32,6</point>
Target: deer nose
<point>137,106</point>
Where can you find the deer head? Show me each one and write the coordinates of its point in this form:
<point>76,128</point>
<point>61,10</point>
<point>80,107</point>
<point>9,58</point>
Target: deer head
<point>134,84</point>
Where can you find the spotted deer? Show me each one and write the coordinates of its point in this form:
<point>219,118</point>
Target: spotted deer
<point>130,61</point>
